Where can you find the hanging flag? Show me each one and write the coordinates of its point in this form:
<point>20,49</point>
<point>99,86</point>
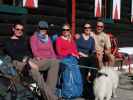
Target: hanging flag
<point>98,8</point>
<point>30,3</point>
<point>132,12</point>
<point>116,9</point>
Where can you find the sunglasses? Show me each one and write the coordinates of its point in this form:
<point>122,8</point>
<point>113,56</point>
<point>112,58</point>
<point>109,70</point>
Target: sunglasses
<point>18,29</point>
<point>65,29</point>
<point>43,28</point>
<point>98,26</point>
<point>87,27</point>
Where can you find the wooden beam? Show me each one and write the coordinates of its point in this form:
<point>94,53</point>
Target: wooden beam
<point>1,1</point>
<point>14,2</point>
<point>73,17</point>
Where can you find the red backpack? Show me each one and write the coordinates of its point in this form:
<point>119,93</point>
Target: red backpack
<point>114,46</point>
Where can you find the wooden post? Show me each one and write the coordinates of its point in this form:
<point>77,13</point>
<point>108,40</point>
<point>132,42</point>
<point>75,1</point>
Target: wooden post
<point>1,1</point>
<point>129,63</point>
<point>14,2</point>
<point>73,17</point>
<point>105,9</point>
<point>67,16</point>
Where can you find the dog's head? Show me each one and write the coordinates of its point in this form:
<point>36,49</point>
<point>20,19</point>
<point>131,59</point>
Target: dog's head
<point>104,69</point>
<point>101,74</point>
<point>109,71</point>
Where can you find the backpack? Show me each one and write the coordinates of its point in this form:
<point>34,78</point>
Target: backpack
<point>114,47</point>
<point>11,90</point>
<point>72,85</point>
<point>6,66</point>
<point>14,91</point>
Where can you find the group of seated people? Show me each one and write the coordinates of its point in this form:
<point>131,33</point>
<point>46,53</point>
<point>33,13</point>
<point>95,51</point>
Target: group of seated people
<point>88,48</point>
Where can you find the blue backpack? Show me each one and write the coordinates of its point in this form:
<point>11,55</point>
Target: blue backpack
<point>72,85</point>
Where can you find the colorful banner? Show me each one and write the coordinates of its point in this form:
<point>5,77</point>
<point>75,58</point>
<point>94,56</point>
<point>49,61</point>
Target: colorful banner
<point>116,12</point>
<point>98,8</point>
<point>30,3</point>
<point>132,12</point>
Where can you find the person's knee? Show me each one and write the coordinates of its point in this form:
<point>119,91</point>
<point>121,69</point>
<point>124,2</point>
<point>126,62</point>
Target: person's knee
<point>111,57</point>
<point>33,65</point>
<point>18,65</point>
<point>55,62</point>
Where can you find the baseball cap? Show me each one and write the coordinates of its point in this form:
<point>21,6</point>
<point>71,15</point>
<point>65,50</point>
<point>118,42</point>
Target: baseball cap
<point>43,24</point>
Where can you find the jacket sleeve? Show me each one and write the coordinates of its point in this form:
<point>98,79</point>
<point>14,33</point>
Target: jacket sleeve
<point>107,42</point>
<point>75,49</point>
<point>59,48</point>
<point>93,45</point>
<point>33,44</point>
<point>52,49</point>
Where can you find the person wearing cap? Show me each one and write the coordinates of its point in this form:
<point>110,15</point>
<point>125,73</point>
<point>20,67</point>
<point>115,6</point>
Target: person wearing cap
<point>44,59</point>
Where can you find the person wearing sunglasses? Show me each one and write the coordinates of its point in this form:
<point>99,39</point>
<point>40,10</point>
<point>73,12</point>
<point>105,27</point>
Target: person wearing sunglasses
<point>67,52</point>
<point>65,45</point>
<point>44,58</point>
<point>103,45</point>
<point>85,42</point>
<point>17,46</point>
<point>86,48</point>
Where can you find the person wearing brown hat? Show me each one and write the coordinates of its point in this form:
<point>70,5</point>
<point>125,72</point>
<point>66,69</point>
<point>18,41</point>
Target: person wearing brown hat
<point>44,59</point>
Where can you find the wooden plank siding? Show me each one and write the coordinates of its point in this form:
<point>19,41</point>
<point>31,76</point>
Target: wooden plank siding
<point>54,11</point>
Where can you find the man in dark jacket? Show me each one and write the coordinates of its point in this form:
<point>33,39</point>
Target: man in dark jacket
<point>17,46</point>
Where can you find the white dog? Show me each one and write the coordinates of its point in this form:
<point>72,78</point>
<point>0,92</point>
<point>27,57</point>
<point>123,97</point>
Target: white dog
<point>106,83</point>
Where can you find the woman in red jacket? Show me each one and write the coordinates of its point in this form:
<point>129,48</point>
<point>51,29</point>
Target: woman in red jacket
<point>68,53</point>
<point>65,45</point>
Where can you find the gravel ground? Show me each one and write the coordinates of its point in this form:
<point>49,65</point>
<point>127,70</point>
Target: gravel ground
<point>125,89</point>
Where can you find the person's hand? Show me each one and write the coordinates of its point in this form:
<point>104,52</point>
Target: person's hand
<point>33,65</point>
<point>75,55</point>
<point>38,58</point>
<point>81,54</point>
<point>25,58</point>
<point>97,55</point>
<point>76,36</point>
